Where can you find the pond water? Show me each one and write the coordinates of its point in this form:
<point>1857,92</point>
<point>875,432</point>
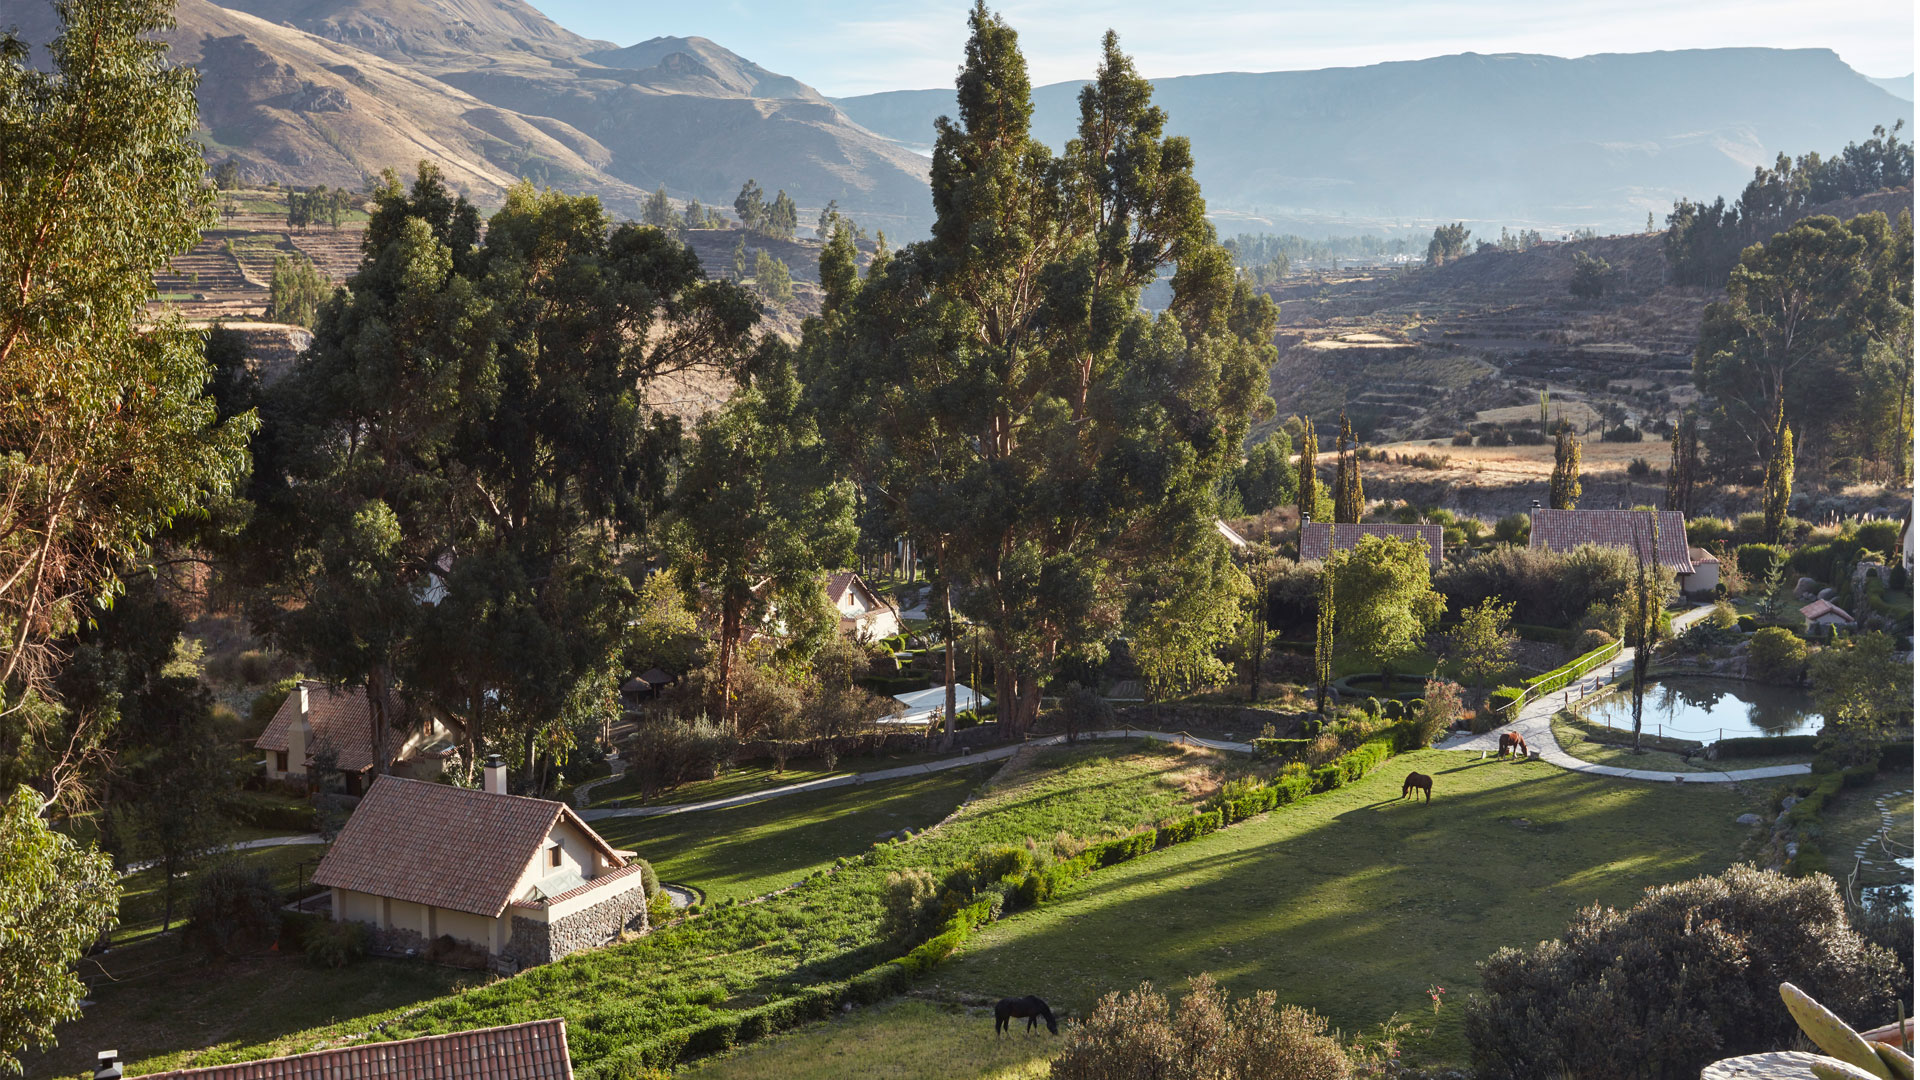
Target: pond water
<point>1710,709</point>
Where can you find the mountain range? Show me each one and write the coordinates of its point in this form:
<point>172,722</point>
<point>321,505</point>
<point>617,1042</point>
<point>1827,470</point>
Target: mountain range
<point>332,91</point>
<point>1517,139</point>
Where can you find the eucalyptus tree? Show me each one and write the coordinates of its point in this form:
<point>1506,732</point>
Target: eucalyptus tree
<point>999,389</point>
<point>466,446</point>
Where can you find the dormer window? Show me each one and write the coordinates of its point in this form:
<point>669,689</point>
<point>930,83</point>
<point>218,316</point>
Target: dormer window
<point>553,856</point>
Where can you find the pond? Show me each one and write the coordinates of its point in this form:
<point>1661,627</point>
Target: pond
<point>1707,710</point>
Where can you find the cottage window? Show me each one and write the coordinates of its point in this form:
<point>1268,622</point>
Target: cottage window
<point>553,855</point>
<point>280,760</point>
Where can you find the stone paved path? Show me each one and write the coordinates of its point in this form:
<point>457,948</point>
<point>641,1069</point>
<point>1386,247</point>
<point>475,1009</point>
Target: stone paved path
<point>959,761</point>
<point>1535,725</point>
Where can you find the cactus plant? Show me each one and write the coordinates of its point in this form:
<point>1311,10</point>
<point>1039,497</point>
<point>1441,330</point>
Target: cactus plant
<point>1831,1069</point>
<point>1895,1059</point>
<point>1832,1035</point>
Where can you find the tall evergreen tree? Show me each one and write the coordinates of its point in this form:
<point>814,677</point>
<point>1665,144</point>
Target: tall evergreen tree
<point>1683,464</point>
<point>1563,490</point>
<point>1061,443</point>
<point>1323,641</point>
<point>1349,500</point>
<point>1265,480</point>
<point>1307,489</point>
<point>658,211</point>
<point>751,205</point>
<point>1779,483</point>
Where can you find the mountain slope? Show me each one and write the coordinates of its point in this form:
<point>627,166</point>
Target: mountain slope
<point>297,109</point>
<point>1520,139</point>
<point>1901,87</point>
<point>424,30</point>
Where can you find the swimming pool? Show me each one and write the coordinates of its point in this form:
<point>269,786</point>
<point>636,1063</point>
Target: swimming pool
<point>1707,710</point>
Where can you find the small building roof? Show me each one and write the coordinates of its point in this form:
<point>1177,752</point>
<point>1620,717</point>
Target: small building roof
<point>339,718</point>
<point>923,705</point>
<point>1226,533</point>
<point>1320,539</point>
<point>535,1050</point>
<point>444,846</point>
<point>1564,530</point>
<point>846,581</point>
<point>1822,608</point>
<point>1702,557</point>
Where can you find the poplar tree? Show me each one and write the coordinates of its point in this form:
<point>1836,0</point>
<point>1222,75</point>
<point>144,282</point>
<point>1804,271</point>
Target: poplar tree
<point>1683,464</point>
<point>1323,631</point>
<point>1350,502</point>
<point>1308,488</point>
<point>1779,484</point>
<point>1564,488</point>
<point>1006,402</point>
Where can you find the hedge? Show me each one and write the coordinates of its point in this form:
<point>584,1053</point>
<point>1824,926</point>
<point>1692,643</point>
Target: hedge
<point>1573,669</point>
<point>1287,749</point>
<point>725,1030</point>
<point>1547,634</point>
<point>1756,561</point>
<point>1757,746</point>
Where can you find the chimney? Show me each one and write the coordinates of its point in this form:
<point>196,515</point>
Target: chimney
<point>300,737</point>
<point>108,1066</point>
<point>496,775</point>
<point>306,706</point>
<point>1536,504</point>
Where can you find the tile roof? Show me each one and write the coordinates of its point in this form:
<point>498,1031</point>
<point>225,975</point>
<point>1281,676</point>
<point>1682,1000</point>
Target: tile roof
<point>443,846</point>
<point>536,1050</point>
<point>1824,607</point>
<point>1320,539</point>
<point>1564,530</point>
<point>340,718</point>
<point>1701,556</point>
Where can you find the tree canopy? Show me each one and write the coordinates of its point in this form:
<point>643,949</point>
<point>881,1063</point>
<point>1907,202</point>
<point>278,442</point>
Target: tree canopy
<point>1383,596</point>
<point>1006,401</point>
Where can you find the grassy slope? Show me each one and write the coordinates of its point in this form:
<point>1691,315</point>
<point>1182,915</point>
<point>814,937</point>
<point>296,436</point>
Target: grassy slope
<point>1354,903</point>
<point>1853,817</point>
<point>742,779</point>
<point>751,850</point>
<point>738,955</point>
<point>901,1040</point>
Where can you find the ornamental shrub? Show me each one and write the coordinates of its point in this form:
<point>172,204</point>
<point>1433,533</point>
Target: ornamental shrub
<point>335,944</point>
<point>1756,561</point>
<point>1211,1035</point>
<point>1776,654</point>
<point>235,910</point>
<point>1687,976</point>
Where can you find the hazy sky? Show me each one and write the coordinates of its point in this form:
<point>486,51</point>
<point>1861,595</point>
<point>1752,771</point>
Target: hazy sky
<point>860,46</point>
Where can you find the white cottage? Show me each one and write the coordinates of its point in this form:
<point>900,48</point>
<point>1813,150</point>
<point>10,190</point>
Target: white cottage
<point>524,880</point>
<point>317,716</point>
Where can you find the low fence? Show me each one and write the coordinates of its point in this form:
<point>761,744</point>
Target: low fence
<point>1541,685</point>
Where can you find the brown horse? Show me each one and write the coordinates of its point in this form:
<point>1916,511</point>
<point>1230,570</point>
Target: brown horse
<point>1512,741</point>
<point>1030,1009</point>
<point>1417,782</point>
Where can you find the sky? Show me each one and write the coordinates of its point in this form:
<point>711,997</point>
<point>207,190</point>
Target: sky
<point>862,46</point>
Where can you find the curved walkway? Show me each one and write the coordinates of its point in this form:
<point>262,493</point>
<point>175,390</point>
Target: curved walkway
<point>959,761</point>
<point>244,845</point>
<point>1535,724</point>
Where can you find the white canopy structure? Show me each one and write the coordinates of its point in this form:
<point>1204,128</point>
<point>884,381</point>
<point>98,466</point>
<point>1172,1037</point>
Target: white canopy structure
<point>922,706</point>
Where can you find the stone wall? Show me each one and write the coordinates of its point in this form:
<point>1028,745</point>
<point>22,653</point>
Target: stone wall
<point>535,942</point>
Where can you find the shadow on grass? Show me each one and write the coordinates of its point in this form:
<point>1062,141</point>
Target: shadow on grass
<point>1341,905</point>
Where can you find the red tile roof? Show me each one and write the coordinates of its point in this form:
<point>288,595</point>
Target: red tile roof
<point>444,846</point>
<point>1564,530</point>
<point>1824,607</point>
<point>536,1050</point>
<point>340,719</point>
<point>1320,539</point>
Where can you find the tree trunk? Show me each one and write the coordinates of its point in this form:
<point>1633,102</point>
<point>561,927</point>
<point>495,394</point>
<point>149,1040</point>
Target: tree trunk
<point>729,633</point>
<point>947,592</point>
<point>167,868</point>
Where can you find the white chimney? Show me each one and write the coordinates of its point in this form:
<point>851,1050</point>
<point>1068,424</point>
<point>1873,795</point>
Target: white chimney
<point>300,738</point>
<point>305,705</point>
<point>496,775</point>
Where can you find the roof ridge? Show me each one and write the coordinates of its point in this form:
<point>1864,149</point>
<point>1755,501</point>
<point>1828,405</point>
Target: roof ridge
<point>558,1023</point>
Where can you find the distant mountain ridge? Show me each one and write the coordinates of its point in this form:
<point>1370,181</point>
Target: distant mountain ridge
<point>1901,87</point>
<point>1599,141</point>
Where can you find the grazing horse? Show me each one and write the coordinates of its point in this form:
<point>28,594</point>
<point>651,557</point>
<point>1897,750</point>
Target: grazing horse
<point>1006,1010</point>
<point>1417,782</point>
<point>1511,741</point>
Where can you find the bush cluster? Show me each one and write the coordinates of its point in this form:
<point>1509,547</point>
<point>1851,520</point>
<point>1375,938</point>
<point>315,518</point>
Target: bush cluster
<point>1138,1034</point>
<point>1776,655</point>
<point>1687,976</point>
<point>670,750</point>
<point>1546,589</point>
<point>235,910</point>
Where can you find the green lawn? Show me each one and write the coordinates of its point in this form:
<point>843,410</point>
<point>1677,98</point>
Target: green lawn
<point>1353,903</point>
<point>740,955</point>
<point>756,776</point>
<point>903,1039</point>
<point>143,902</point>
<point>165,1009</point>
<point>751,850</point>
<point>1853,817</point>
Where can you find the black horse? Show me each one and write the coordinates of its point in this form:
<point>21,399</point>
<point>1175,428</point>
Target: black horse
<point>1006,1010</point>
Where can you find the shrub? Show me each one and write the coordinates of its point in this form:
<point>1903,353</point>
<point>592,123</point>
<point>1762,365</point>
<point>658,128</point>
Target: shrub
<point>1438,711</point>
<point>1687,976</point>
<point>1639,468</point>
<point>1139,1034</point>
<point>1776,655</point>
<point>660,909</point>
<point>1463,438</point>
<point>909,905</point>
<point>1546,588</point>
<point>235,910</point>
<point>1756,561</point>
<point>333,944</point>
<point>1762,746</point>
<point>1621,433</point>
<point>671,751</point>
<point>1880,536</point>
<point>1590,639</point>
<point>1284,749</point>
<point>1503,697</point>
<point>1723,616</point>
<point>649,881</point>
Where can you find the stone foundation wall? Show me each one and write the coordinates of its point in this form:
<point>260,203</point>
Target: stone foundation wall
<point>395,941</point>
<point>534,942</point>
